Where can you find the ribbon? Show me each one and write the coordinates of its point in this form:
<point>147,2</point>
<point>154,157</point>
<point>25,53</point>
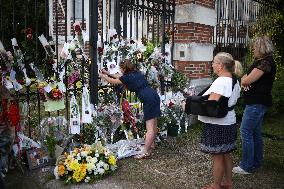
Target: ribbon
<point>86,107</point>
<point>14,114</point>
<point>74,116</point>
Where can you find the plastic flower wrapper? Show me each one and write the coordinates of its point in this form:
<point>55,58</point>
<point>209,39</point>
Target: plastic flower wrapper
<point>85,164</point>
<point>172,110</point>
<point>126,148</point>
<point>20,66</point>
<point>53,131</point>
<point>153,77</point>
<point>108,118</point>
<point>49,51</point>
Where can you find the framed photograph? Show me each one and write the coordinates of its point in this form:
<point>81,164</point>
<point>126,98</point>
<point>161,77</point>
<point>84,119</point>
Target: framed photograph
<point>37,158</point>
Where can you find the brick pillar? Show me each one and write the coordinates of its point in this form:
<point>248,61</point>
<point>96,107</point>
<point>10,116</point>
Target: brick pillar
<point>193,50</point>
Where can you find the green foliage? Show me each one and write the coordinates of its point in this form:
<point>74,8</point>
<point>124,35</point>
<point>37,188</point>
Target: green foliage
<point>278,94</point>
<point>149,50</point>
<point>89,133</point>
<point>51,142</point>
<point>179,81</point>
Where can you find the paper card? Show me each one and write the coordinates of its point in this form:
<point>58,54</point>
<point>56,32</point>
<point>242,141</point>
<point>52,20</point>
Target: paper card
<point>54,105</point>
<point>37,158</point>
<point>74,126</point>
<point>112,67</point>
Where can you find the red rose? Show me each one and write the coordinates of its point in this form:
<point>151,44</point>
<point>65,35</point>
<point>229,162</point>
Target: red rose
<point>78,28</point>
<point>29,33</point>
<point>170,104</point>
<point>100,50</point>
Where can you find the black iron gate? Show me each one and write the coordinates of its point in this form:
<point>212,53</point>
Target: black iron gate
<point>27,20</point>
<point>235,24</point>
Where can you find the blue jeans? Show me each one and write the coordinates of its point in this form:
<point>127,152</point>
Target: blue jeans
<point>251,135</point>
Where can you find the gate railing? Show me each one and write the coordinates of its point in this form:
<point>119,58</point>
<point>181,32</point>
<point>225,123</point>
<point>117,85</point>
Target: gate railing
<point>55,18</point>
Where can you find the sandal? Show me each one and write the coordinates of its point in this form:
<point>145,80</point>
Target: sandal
<point>226,186</point>
<point>143,156</point>
<point>210,187</point>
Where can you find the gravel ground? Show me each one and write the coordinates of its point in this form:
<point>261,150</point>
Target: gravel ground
<point>176,163</point>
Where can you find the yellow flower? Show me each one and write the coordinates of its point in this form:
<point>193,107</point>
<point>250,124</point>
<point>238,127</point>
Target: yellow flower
<point>79,84</point>
<point>77,176</point>
<point>112,160</point>
<point>136,105</point>
<point>75,165</point>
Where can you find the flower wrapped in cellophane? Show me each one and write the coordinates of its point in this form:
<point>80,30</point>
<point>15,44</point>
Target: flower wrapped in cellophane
<point>86,164</point>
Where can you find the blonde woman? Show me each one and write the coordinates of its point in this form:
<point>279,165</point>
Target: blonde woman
<point>257,85</point>
<point>219,135</point>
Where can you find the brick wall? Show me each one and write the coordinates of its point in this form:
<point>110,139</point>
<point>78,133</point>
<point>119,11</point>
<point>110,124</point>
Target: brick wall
<point>196,69</point>
<point>61,19</point>
<point>193,32</point>
<point>190,32</point>
<point>205,3</point>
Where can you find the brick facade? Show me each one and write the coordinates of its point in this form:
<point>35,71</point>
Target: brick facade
<point>193,32</point>
<point>195,69</point>
<point>204,3</point>
<point>188,32</point>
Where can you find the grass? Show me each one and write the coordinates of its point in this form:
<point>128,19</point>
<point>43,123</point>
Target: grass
<point>177,163</point>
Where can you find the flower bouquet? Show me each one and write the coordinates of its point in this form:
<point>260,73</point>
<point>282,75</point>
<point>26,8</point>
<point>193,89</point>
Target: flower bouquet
<point>54,99</point>
<point>85,164</point>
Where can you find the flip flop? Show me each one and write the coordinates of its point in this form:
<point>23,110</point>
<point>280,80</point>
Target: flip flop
<point>143,156</point>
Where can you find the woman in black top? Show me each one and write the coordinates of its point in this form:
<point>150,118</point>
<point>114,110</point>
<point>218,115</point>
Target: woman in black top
<point>257,85</point>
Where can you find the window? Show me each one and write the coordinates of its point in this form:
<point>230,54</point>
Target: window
<point>78,9</point>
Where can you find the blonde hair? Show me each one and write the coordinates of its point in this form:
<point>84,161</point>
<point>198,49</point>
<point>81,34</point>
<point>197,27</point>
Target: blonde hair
<point>263,45</point>
<point>233,66</point>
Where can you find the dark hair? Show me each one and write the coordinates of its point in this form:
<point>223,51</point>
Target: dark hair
<point>127,66</point>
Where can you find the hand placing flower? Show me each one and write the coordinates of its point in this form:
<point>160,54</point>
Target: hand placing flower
<point>104,71</point>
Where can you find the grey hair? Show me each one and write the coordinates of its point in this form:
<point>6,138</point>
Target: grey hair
<point>263,45</point>
<point>229,63</point>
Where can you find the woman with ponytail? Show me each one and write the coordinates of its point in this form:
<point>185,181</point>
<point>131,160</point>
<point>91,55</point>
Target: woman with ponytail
<point>219,135</point>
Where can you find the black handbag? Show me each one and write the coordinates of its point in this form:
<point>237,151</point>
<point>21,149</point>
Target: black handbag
<point>200,105</point>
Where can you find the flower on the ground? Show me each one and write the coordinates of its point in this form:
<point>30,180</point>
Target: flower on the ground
<point>86,164</point>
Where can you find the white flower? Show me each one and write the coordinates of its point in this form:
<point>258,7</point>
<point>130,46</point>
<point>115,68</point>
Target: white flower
<point>97,154</point>
<point>107,152</point>
<point>90,167</point>
<point>87,179</point>
<point>100,164</point>
<point>94,160</point>
<point>89,159</point>
<point>84,153</point>
<point>101,171</point>
<point>78,157</point>
<point>96,171</point>
<point>106,166</point>
<point>55,172</point>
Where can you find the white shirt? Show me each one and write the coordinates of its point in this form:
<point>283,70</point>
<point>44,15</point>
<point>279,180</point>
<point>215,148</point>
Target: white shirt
<point>223,86</point>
